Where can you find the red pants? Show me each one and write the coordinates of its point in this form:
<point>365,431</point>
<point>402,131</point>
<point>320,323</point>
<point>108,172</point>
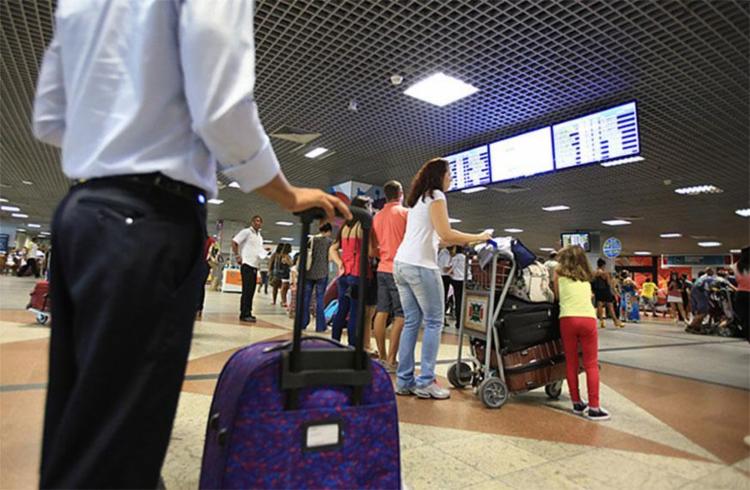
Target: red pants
<point>581,329</point>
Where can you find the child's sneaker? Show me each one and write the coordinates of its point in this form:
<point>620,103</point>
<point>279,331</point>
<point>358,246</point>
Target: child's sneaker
<point>579,408</point>
<point>597,414</point>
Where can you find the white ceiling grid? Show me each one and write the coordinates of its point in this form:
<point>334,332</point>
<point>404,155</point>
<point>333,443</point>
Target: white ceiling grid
<point>534,62</point>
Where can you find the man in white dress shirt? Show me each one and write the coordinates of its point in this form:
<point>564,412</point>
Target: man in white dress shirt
<point>147,100</point>
<point>247,246</point>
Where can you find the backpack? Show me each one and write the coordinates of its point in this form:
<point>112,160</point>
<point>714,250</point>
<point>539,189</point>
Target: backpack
<point>533,284</point>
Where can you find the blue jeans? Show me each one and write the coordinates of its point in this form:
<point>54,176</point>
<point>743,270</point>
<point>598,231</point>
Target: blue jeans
<point>421,292</point>
<point>347,306</point>
<point>320,289</point>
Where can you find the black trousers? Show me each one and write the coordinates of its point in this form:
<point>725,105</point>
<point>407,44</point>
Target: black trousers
<point>249,278</point>
<point>124,284</point>
<point>458,294</point>
<point>202,296</point>
<point>31,264</point>
<point>446,285</point>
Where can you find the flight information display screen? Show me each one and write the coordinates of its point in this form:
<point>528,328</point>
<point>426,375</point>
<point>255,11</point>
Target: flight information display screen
<point>605,135</point>
<point>470,168</point>
<point>523,155</point>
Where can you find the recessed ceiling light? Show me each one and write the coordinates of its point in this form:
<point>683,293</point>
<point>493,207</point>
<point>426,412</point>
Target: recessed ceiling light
<point>709,244</point>
<point>2,199</point>
<point>745,213</point>
<point>316,152</point>
<point>670,235</point>
<point>285,223</point>
<point>474,189</point>
<point>10,208</point>
<point>44,233</point>
<point>267,241</point>
<point>27,182</point>
<point>33,225</point>
<point>454,220</point>
<point>735,251</point>
<point>642,252</point>
<point>287,239</point>
<point>440,89</point>
<point>699,189</point>
<point>622,161</point>
<point>547,249</point>
<point>215,201</point>
<point>21,230</point>
<point>20,215</point>
<point>558,207</point>
<point>234,185</point>
<point>616,222</point>
<point>514,230</point>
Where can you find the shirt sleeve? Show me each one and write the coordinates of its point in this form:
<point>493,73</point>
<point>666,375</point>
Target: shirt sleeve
<point>49,104</point>
<point>217,52</point>
<point>240,237</point>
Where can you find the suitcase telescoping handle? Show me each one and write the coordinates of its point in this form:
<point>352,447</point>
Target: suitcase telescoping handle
<point>317,367</point>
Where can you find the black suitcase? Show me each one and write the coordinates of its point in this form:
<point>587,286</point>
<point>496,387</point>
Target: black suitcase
<point>522,324</point>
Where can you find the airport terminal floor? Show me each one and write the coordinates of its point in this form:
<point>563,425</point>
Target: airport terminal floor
<point>679,410</point>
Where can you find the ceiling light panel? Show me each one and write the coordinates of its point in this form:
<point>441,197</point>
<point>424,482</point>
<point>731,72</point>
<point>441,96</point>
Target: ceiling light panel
<point>284,223</point>
<point>745,213</point>
<point>440,89</point>
<point>616,222</point>
<point>709,244</point>
<point>316,152</point>
<point>514,230</point>
<point>474,190</point>
<point>670,235</point>
<point>557,207</point>
<point>699,189</point>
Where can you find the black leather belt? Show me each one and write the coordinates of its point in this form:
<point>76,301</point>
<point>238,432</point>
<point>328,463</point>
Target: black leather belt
<point>157,180</point>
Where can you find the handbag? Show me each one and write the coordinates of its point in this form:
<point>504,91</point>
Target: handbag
<point>524,257</point>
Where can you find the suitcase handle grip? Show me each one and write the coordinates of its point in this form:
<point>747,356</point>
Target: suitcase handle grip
<point>288,343</point>
<point>310,215</point>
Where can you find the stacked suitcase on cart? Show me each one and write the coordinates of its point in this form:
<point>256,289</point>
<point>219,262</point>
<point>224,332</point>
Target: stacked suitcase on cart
<point>531,349</point>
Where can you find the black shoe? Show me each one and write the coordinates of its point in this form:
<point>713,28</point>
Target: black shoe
<point>249,319</point>
<point>597,415</point>
<point>579,408</point>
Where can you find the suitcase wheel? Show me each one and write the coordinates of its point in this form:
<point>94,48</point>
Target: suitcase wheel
<point>460,375</point>
<point>554,390</point>
<point>493,392</point>
<point>42,318</point>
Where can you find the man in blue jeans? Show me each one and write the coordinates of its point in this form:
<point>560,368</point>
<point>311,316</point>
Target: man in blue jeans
<point>317,277</point>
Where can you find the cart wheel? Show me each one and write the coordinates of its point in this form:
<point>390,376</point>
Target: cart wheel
<point>554,390</point>
<point>459,375</point>
<point>42,318</point>
<point>493,392</point>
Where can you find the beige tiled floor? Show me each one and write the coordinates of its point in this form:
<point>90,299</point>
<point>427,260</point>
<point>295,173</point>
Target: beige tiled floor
<point>531,443</point>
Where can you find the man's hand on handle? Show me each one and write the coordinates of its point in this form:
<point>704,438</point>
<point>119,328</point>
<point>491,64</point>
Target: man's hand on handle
<point>296,199</point>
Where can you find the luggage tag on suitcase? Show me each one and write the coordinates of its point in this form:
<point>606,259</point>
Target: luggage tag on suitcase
<point>322,436</point>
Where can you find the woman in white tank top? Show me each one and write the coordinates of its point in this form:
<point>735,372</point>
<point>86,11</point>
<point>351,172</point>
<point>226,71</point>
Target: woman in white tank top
<point>417,276</point>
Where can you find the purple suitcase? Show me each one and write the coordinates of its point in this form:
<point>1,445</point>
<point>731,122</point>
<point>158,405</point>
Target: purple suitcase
<point>307,413</point>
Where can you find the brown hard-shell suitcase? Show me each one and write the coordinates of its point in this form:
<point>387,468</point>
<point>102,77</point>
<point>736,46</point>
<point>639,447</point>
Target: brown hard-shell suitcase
<point>535,366</point>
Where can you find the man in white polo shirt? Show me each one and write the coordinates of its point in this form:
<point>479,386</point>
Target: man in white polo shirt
<point>247,246</point>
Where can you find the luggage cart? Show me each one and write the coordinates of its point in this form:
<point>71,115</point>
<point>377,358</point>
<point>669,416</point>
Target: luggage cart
<point>480,309</point>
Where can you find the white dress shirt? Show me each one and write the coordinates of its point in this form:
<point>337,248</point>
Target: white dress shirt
<point>250,243</point>
<point>133,87</point>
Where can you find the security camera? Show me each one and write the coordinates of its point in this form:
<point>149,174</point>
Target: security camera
<point>396,79</point>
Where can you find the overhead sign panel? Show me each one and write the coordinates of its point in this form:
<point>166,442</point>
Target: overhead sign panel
<point>523,155</point>
<point>605,135</point>
<point>470,168</point>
